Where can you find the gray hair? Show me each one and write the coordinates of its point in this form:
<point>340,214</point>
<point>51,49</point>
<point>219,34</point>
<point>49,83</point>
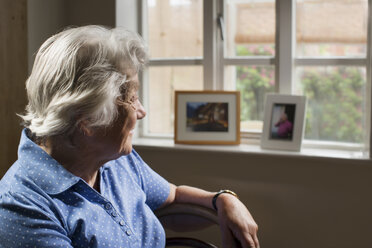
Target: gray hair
<point>79,74</point>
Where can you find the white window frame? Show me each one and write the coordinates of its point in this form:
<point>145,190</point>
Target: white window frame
<point>243,61</point>
<point>290,5</point>
<point>214,61</point>
<point>142,29</point>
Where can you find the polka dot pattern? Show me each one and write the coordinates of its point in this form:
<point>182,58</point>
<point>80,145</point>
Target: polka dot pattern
<point>44,205</point>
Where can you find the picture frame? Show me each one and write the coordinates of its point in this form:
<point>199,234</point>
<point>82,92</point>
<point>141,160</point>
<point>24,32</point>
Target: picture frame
<point>283,126</point>
<point>207,117</point>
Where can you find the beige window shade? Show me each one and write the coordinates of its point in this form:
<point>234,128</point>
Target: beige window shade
<point>255,23</point>
<point>341,21</point>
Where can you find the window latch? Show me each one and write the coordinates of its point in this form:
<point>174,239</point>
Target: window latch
<point>221,24</point>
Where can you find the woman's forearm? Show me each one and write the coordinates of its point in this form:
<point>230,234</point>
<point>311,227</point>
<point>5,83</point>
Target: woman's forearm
<point>188,194</point>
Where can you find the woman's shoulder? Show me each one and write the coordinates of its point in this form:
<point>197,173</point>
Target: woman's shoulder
<point>17,188</point>
<point>11,180</point>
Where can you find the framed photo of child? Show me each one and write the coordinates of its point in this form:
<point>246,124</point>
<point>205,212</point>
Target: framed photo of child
<point>283,122</point>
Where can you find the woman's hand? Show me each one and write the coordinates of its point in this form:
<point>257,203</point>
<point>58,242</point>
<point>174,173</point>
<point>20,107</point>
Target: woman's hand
<point>238,228</point>
<point>237,225</point>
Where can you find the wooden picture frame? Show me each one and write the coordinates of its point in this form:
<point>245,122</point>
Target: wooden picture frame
<point>283,122</point>
<point>207,117</point>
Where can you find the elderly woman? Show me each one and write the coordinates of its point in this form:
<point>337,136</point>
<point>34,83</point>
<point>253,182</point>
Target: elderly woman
<point>77,181</point>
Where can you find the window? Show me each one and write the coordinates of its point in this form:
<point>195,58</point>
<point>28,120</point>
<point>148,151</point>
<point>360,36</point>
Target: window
<point>248,56</point>
<point>174,31</point>
<point>331,68</point>
<point>316,48</point>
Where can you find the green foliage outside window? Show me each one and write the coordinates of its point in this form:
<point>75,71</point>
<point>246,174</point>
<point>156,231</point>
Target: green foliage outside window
<point>334,104</point>
<point>335,97</point>
<point>254,82</point>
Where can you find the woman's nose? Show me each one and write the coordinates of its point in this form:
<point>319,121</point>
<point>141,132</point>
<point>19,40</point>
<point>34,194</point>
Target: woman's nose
<point>141,112</point>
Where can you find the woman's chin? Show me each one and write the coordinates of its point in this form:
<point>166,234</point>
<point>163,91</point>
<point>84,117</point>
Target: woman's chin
<point>126,149</point>
<point>126,145</point>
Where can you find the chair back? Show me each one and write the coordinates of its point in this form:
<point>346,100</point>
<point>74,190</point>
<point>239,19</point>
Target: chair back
<point>180,217</point>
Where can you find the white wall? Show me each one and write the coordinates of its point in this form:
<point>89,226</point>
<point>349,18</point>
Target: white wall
<point>126,14</point>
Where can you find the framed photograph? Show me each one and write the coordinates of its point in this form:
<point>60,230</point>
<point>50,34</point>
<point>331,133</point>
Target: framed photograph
<point>283,122</point>
<point>207,117</point>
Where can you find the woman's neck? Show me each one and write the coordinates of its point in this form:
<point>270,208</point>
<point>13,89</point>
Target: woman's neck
<point>76,158</point>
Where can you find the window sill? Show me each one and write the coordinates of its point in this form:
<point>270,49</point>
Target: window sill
<point>252,148</point>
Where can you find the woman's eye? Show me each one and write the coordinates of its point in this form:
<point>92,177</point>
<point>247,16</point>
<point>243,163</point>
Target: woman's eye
<point>134,98</point>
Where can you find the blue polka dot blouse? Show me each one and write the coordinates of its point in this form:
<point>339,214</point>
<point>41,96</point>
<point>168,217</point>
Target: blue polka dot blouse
<point>44,205</point>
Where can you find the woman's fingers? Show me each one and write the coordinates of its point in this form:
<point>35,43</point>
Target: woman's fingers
<point>247,240</point>
<point>237,224</point>
<point>227,236</point>
<point>255,239</point>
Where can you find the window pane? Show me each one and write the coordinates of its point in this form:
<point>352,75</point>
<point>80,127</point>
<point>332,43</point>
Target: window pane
<point>253,82</point>
<point>331,28</point>
<point>175,28</point>
<point>336,102</point>
<point>250,27</point>
<point>163,81</point>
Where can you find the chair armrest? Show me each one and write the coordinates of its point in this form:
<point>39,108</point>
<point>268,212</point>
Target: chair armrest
<point>182,217</point>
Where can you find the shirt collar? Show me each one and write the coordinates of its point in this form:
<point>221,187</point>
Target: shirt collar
<point>41,168</point>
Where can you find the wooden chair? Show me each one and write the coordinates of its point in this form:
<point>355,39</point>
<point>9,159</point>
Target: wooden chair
<point>185,218</point>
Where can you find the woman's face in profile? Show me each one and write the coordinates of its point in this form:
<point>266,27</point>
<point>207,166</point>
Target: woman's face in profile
<point>136,112</point>
<point>116,140</point>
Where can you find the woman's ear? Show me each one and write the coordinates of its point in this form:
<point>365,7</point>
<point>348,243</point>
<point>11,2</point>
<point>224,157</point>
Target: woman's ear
<point>84,128</point>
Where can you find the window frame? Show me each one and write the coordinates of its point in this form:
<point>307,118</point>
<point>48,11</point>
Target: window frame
<point>142,29</point>
<point>285,62</point>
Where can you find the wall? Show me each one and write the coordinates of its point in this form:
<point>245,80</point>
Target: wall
<point>46,18</point>
<point>298,202</point>
<point>126,14</point>
<point>13,72</point>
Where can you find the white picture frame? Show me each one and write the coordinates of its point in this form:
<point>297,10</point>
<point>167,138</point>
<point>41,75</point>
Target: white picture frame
<point>193,121</point>
<point>283,126</point>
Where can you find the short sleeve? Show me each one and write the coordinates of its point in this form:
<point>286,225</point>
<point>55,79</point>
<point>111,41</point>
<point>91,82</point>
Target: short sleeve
<point>155,186</point>
<point>24,224</point>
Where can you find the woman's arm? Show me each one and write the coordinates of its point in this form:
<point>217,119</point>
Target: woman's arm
<point>236,223</point>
